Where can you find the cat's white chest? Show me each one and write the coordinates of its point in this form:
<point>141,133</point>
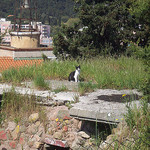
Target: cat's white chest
<point>76,75</point>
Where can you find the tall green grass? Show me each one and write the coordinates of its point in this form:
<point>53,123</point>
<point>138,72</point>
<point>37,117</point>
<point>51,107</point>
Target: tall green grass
<point>40,83</point>
<point>105,72</point>
<point>19,107</point>
<point>138,119</point>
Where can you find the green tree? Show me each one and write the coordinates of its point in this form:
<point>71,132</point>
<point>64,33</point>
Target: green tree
<point>141,9</point>
<point>49,11</point>
<point>105,28</point>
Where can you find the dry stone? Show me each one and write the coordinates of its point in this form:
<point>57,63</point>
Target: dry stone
<point>22,128</point>
<point>33,117</point>
<point>79,125</point>
<point>19,146</point>
<point>78,143</point>
<point>57,135</point>
<point>32,129</point>
<point>36,138</point>
<point>37,123</point>
<point>30,143</point>
<point>75,122</point>
<point>37,145</point>
<point>15,133</point>
<point>11,126</point>
<point>62,114</point>
<point>54,112</point>
<point>5,146</point>
<point>71,137</point>
<point>84,135</point>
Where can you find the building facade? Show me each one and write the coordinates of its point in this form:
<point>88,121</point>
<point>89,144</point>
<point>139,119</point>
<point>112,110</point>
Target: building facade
<point>6,27</point>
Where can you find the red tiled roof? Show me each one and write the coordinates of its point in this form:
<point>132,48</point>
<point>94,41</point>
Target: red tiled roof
<point>9,62</point>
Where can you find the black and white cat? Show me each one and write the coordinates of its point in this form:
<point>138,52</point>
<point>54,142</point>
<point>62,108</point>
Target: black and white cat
<point>74,76</point>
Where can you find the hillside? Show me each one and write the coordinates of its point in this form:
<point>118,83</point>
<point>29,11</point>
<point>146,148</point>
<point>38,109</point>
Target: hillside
<point>49,11</point>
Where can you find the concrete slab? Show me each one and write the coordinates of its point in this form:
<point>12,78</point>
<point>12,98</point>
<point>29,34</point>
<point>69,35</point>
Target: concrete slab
<point>65,96</point>
<point>55,84</point>
<point>47,97</point>
<point>106,105</point>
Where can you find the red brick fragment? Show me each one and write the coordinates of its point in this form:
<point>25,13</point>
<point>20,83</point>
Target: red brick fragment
<point>12,144</point>
<point>21,140</point>
<point>65,128</point>
<point>3,135</point>
<point>67,118</point>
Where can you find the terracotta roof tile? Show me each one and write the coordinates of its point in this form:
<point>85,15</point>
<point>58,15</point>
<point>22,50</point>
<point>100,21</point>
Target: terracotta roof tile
<point>9,62</point>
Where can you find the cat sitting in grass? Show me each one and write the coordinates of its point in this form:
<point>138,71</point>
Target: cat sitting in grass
<point>74,76</point>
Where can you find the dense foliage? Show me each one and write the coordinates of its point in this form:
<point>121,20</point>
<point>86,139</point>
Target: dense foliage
<point>105,27</point>
<point>49,11</point>
<point>141,9</point>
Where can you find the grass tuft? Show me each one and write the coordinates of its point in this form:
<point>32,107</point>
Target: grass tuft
<point>18,108</point>
<point>61,89</point>
<point>40,83</point>
<point>86,87</point>
<point>138,119</point>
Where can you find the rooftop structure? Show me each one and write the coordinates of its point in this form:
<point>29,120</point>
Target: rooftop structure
<point>25,34</point>
<point>6,27</point>
<point>21,37</point>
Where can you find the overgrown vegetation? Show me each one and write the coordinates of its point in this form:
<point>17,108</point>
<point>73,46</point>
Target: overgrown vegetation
<point>112,28</point>
<point>105,28</point>
<point>40,83</point>
<point>138,117</point>
<point>61,89</point>
<point>98,72</point>
<point>138,120</point>
<point>87,87</point>
<point>144,55</point>
<point>18,108</point>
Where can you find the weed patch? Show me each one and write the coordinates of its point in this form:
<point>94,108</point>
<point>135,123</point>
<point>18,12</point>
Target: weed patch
<point>19,107</point>
<point>138,119</point>
<point>61,89</point>
<point>40,83</point>
<point>118,73</point>
<point>86,87</point>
